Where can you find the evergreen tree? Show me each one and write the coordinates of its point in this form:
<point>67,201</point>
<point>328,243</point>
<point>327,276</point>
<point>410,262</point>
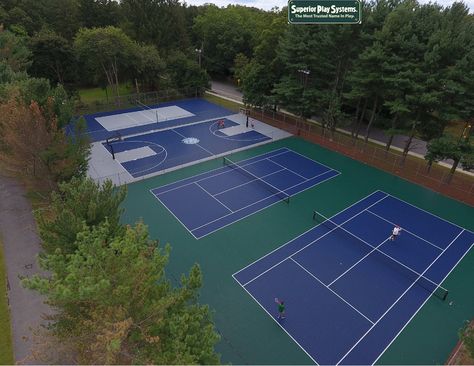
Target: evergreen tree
<point>114,304</point>
<point>78,202</point>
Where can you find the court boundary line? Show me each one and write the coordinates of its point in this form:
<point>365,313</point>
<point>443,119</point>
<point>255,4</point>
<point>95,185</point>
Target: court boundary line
<point>307,231</point>
<point>116,161</point>
<point>250,181</point>
<point>424,302</point>
<point>307,245</point>
<point>273,318</point>
<point>272,195</point>
<point>400,297</point>
<point>205,190</point>
<point>177,219</point>
<point>432,214</point>
<point>331,290</point>
<point>413,283</point>
<point>272,153</point>
<point>356,263</point>
<point>385,254</point>
<point>206,172</point>
<point>299,175</point>
<point>408,231</point>
<point>224,171</point>
<point>143,170</point>
<point>238,124</point>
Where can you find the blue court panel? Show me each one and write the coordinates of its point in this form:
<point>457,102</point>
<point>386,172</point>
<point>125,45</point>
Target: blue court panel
<point>207,202</point>
<point>171,151</point>
<point>348,289</point>
<point>202,110</point>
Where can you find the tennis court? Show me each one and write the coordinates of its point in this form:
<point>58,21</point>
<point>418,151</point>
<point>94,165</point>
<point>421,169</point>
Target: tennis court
<point>210,201</point>
<point>349,290</point>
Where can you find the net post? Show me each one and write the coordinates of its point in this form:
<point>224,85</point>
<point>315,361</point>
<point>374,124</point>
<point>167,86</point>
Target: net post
<point>112,151</point>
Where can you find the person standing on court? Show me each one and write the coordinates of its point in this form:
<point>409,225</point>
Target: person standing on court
<point>281,308</point>
<point>395,232</point>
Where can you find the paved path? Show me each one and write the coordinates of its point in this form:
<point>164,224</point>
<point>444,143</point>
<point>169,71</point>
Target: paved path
<point>21,247</point>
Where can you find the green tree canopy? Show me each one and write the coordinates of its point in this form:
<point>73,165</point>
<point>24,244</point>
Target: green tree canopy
<point>115,305</point>
<point>78,202</point>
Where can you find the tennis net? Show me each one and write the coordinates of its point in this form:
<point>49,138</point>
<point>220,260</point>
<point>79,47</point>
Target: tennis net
<point>275,191</point>
<point>422,281</point>
<point>151,113</point>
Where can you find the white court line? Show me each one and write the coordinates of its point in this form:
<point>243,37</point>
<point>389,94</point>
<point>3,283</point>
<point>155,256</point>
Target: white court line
<point>397,300</point>
<point>429,213</point>
<point>421,306</point>
<point>172,213</point>
<point>307,245</point>
<point>253,203</point>
<point>223,171</point>
<point>307,231</point>
<point>203,148</point>
<point>356,263</point>
<point>334,292</point>
<point>214,197</point>
<point>263,208</point>
<point>243,140</point>
<point>273,318</point>
<point>147,169</point>
<point>318,162</point>
<point>250,181</point>
<point>299,175</point>
<point>408,231</point>
<point>385,254</point>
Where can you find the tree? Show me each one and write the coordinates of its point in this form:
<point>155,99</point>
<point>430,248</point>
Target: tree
<point>185,73</point>
<point>447,147</point>
<point>226,32</point>
<point>105,52</point>
<point>14,51</point>
<point>34,146</point>
<point>150,67</point>
<point>114,304</point>
<point>161,23</point>
<point>78,202</point>
<point>53,58</point>
<point>466,335</point>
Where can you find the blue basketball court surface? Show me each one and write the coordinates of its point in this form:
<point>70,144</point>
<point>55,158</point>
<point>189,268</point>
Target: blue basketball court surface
<point>348,289</point>
<point>210,201</point>
<point>141,119</point>
<point>157,151</point>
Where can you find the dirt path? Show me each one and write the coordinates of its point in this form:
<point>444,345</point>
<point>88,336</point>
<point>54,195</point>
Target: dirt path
<point>21,247</point>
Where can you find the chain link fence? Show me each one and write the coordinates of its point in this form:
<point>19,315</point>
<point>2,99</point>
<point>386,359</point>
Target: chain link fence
<point>458,185</point>
<point>136,100</point>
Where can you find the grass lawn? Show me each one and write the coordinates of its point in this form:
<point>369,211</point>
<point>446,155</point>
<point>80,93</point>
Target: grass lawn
<point>6,348</point>
<point>89,95</point>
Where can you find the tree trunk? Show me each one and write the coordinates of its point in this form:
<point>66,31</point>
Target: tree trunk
<point>408,143</point>
<point>453,168</point>
<point>390,140</point>
<point>372,119</point>
<point>354,125</point>
<point>361,119</point>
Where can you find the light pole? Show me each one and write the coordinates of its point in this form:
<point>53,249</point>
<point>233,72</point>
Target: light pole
<point>304,80</point>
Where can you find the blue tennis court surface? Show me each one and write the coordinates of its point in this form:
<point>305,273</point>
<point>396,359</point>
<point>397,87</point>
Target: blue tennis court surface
<point>348,289</point>
<point>161,150</point>
<point>209,201</point>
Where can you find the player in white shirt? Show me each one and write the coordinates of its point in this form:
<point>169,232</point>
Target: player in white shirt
<point>395,232</point>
